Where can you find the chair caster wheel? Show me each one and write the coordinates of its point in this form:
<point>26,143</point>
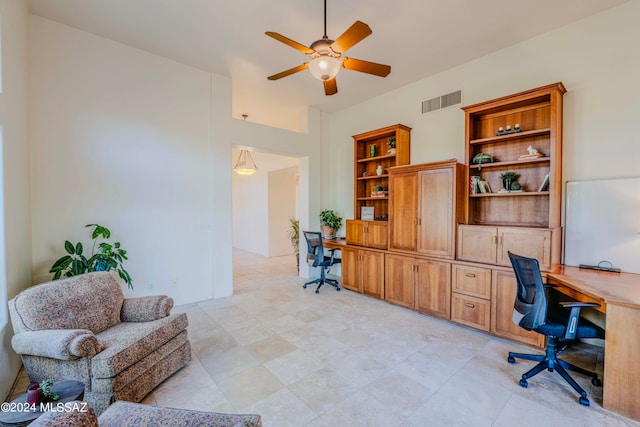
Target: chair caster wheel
<point>511,359</point>
<point>317,291</point>
<point>304,286</point>
<point>596,382</point>
<point>523,383</point>
<point>583,400</point>
<point>338,289</point>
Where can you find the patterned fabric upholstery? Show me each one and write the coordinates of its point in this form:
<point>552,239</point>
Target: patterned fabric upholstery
<point>71,329</point>
<point>135,414</point>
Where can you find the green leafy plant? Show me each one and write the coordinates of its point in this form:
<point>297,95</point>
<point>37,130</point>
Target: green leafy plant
<point>330,219</point>
<point>511,175</point>
<point>378,188</point>
<point>391,142</point>
<point>46,389</point>
<point>294,234</point>
<point>105,257</point>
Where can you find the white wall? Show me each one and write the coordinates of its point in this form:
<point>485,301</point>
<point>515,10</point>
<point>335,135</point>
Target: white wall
<point>140,144</point>
<point>15,228</point>
<point>282,206</point>
<point>595,58</point>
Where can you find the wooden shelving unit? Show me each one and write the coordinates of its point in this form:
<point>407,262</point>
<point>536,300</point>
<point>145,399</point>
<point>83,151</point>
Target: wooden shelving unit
<point>365,176</point>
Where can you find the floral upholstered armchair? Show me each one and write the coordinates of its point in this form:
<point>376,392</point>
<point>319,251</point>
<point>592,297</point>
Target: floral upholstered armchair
<point>82,328</point>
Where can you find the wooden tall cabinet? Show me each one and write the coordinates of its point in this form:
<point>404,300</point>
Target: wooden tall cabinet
<point>527,219</point>
<point>426,201</point>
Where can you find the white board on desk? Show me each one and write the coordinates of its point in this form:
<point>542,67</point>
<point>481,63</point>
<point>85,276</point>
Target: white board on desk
<point>602,223</point>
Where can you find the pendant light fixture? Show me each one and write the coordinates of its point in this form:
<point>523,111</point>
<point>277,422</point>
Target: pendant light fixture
<point>245,164</point>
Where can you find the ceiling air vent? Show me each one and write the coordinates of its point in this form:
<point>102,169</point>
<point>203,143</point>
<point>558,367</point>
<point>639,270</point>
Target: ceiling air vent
<point>443,101</point>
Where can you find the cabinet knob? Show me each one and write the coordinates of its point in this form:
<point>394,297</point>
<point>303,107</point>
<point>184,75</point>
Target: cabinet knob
<point>469,305</point>
<point>471,275</point>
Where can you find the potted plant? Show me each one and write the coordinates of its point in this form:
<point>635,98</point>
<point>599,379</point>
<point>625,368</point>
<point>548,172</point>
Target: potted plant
<point>107,257</point>
<point>508,178</point>
<point>391,143</point>
<point>378,191</point>
<point>330,223</point>
<point>294,237</point>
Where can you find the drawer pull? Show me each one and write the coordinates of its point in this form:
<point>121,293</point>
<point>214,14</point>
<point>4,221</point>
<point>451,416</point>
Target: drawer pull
<point>469,305</point>
<point>471,275</point>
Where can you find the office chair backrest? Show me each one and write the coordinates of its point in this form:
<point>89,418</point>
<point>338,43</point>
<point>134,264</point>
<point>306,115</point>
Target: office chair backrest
<point>315,251</point>
<point>530,306</point>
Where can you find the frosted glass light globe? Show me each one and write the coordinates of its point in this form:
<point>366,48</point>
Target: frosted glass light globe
<point>324,67</point>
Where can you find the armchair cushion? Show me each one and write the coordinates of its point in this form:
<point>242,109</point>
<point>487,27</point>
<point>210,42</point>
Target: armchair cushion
<point>62,344</point>
<point>146,309</point>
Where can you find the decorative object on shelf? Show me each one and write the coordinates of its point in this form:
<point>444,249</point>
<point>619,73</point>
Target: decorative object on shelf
<point>330,222</point>
<point>372,151</point>
<point>383,217</point>
<point>365,173</point>
<point>515,186</point>
<point>391,142</point>
<point>545,184</point>
<point>508,178</point>
<point>532,153</point>
<point>379,191</point>
<point>379,170</point>
<point>481,158</point>
<point>507,130</point>
<point>108,257</point>
<point>366,213</point>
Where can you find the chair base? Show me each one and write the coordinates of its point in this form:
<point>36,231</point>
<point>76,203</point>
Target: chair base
<point>321,281</point>
<point>550,362</point>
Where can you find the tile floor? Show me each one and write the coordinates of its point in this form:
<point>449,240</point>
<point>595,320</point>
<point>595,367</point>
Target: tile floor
<point>343,359</point>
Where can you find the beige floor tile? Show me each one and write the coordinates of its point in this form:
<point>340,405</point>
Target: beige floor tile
<point>322,390</point>
<point>283,409</point>
<point>293,366</point>
<point>270,348</point>
<point>229,363</point>
<point>249,386</point>
<point>400,392</point>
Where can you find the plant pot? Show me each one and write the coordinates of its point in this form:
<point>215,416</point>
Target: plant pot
<point>34,394</point>
<point>328,232</point>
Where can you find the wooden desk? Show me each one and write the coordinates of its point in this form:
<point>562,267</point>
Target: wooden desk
<point>619,296</point>
<point>334,243</point>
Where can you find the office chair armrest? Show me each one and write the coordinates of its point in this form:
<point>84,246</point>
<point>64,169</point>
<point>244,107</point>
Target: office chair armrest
<point>574,316</point>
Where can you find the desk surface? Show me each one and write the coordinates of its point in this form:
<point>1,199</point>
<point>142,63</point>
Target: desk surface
<point>611,288</point>
<point>334,243</point>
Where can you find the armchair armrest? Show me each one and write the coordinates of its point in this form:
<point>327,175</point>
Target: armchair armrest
<point>574,316</point>
<point>146,309</point>
<point>62,344</point>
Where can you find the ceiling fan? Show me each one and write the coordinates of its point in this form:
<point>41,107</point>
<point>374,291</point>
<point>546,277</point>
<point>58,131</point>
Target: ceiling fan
<point>326,55</point>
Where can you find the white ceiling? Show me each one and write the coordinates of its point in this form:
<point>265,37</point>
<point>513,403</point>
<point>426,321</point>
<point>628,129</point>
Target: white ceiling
<point>418,38</point>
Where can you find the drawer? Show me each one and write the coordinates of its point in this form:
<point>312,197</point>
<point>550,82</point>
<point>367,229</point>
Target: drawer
<point>471,311</point>
<point>472,281</point>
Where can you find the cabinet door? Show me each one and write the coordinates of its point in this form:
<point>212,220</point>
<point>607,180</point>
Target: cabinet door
<point>398,282</point>
<point>403,196</point>
<point>433,288</point>
<point>436,217</point>
<point>477,243</point>
<point>376,235</point>
<point>372,273</point>
<point>529,242</point>
<point>355,232</point>
<point>351,266</point>
<point>503,296</point>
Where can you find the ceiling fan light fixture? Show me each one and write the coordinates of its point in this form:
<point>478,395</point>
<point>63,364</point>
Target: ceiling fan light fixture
<point>325,67</point>
<point>245,164</point>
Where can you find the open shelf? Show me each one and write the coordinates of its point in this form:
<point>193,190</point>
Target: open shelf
<point>512,136</point>
<point>376,158</point>
<point>383,176</point>
<point>511,163</point>
<point>511,194</point>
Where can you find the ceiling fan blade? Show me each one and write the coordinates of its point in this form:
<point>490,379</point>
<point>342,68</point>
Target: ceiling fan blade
<point>330,87</point>
<point>354,34</point>
<point>366,67</point>
<point>294,44</point>
<point>289,71</point>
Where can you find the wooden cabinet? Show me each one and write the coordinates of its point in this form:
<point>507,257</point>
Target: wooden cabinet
<point>471,296</point>
<point>490,245</point>
<point>503,296</point>
<point>433,287</point>
<point>399,285</point>
<point>374,155</point>
<point>425,203</point>
<point>530,121</point>
<point>420,284</point>
<point>372,234</point>
<point>363,271</point>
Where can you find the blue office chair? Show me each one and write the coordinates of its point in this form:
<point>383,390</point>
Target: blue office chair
<point>531,311</point>
<point>316,258</point>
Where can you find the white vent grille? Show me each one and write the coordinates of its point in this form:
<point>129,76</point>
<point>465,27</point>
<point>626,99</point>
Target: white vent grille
<point>443,101</point>
<point>430,105</point>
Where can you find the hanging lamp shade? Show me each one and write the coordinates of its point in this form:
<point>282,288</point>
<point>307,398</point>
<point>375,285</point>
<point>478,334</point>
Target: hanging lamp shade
<point>245,164</point>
